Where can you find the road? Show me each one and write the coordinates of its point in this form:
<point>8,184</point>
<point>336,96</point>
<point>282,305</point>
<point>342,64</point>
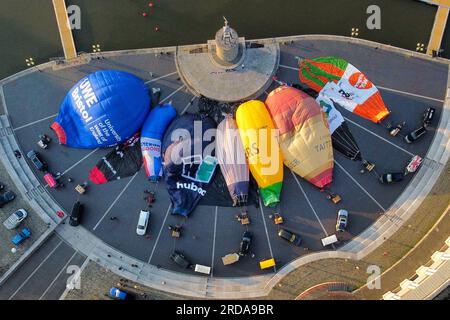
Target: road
<point>44,275</point>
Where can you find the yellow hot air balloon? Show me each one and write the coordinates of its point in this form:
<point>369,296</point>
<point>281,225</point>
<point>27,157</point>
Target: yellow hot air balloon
<point>259,138</point>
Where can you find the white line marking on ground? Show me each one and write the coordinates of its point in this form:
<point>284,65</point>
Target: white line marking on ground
<point>309,203</point>
<point>35,122</point>
<point>360,186</point>
<point>76,164</point>
<point>172,94</point>
<point>162,77</point>
<point>214,241</point>
<point>267,232</point>
<point>384,88</point>
<point>81,160</point>
<point>35,270</point>
<point>57,276</point>
<point>159,234</point>
<point>115,200</point>
<point>380,137</point>
<point>188,105</point>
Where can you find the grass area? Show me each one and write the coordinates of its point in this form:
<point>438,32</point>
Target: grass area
<point>391,251</point>
<point>97,281</point>
<point>33,222</point>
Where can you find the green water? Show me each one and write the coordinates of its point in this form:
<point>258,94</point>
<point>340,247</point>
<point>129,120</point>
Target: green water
<point>28,27</point>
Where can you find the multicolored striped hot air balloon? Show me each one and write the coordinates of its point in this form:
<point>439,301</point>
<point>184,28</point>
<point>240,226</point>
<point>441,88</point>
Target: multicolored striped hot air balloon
<point>345,85</point>
<point>304,135</point>
<point>259,139</point>
<point>231,156</point>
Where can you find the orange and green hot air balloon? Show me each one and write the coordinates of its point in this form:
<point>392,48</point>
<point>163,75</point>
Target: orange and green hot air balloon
<point>305,139</point>
<point>259,138</point>
<point>345,85</point>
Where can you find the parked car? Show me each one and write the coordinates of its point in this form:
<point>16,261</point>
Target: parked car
<point>15,219</point>
<point>180,260</point>
<point>76,214</point>
<point>290,236</point>
<point>36,160</point>
<point>21,236</point>
<point>415,135</point>
<point>6,197</point>
<point>141,228</point>
<point>389,178</point>
<point>428,116</point>
<point>118,294</point>
<point>342,220</point>
<point>245,243</point>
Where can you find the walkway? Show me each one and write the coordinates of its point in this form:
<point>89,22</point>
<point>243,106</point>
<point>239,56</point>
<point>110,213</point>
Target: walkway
<point>65,31</point>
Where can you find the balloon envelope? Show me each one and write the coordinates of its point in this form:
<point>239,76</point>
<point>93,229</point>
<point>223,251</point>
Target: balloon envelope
<point>259,139</point>
<point>189,160</point>
<point>341,136</point>
<point>305,139</point>
<point>345,85</point>
<point>231,157</point>
<point>102,110</point>
<point>124,161</point>
<point>151,139</point>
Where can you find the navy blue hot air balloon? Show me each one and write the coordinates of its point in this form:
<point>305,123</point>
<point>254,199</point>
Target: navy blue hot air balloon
<point>189,160</point>
<point>103,109</point>
<point>151,139</point>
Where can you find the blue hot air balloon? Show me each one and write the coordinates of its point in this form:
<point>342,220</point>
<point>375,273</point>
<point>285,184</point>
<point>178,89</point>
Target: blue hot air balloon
<point>151,138</point>
<point>189,160</point>
<point>103,109</point>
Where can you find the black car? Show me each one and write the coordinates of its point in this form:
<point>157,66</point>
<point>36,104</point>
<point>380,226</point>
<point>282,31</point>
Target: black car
<point>415,135</point>
<point>245,243</point>
<point>428,116</point>
<point>290,236</point>
<point>38,163</point>
<point>180,260</point>
<point>76,213</point>
<point>6,197</point>
<point>389,178</point>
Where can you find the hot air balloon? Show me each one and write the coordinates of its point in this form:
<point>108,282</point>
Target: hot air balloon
<point>103,109</point>
<point>341,137</point>
<point>124,161</point>
<point>189,160</point>
<point>305,139</point>
<point>259,139</point>
<point>151,139</point>
<point>345,85</point>
<point>232,161</point>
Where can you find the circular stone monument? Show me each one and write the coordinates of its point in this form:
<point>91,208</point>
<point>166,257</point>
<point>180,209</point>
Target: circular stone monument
<point>228,68</point>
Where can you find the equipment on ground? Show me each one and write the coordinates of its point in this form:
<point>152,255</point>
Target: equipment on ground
<point>230,259</point>
<point>268,263</point>
<point>20,237</point>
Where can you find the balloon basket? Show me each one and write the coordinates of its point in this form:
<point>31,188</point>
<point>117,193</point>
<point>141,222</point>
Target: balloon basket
<point>335,198</point>
<point>243,218</point>
<point>278,219</point>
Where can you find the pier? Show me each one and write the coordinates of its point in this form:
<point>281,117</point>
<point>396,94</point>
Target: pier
<point>65,31</point>
<point>440,21</point>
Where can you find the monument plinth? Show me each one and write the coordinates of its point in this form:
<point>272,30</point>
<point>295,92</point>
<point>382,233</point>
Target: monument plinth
<point>227,68</point>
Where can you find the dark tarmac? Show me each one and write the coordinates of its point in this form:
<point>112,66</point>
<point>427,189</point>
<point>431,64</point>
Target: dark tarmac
<point>408,86</point>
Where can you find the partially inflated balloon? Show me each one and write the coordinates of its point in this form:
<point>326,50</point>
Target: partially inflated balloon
<point>304,135</point>
<point>189,160</point>
<point>151,139</point>
<point>124,161</point>
<point>103,109</point>
<point>259,138</point>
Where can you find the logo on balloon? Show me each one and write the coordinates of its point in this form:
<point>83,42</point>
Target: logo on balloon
<point>360,81</point>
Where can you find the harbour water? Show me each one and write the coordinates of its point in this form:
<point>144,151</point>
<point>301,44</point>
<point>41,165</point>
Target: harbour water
<point>28,27</point>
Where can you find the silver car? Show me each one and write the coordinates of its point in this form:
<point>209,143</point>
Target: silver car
<point>15,219</point>
<point>342,220</point>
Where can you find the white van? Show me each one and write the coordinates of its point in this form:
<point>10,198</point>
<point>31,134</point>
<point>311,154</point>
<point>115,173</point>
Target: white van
<point>329,240</point>
<point>143,222</point>
<point>202,269</point>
